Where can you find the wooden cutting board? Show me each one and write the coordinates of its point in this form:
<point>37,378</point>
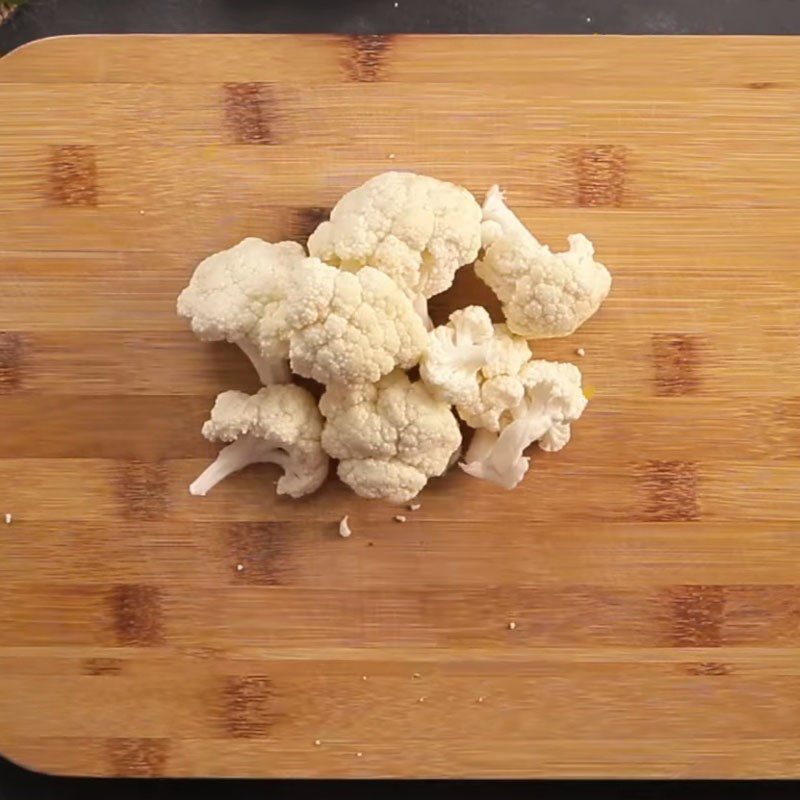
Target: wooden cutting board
<point>652,568</point>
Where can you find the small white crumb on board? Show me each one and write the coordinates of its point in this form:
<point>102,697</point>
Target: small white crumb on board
<point>580,352</point>
<point>399,518</point>
<point>344,527</point>
<point>239,567</point>
<point>512,626</point>
<point>9,519</point>
<point>414,506</point>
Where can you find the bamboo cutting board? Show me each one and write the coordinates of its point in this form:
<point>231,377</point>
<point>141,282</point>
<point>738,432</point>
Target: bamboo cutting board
<point>652,568</point>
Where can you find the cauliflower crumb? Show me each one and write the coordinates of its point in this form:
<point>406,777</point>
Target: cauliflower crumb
<point>421,700</point>
<point>392,156</point>
<point>399,518</point>
<point>512,626</point>
<point>580,352</point>
<point>416,676</point>
<point>359,754</point>
<point>8,519</point>
<point>414,506</point>
<point>239,567</point>
<point>363,677</point>
<point>344,527</point>
<point>480,699</point>
<point>317,742</point>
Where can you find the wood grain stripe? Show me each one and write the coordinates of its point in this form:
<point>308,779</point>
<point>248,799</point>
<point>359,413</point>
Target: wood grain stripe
<point>102,666</point>
<point>73,175</point>
<point>706,668</point>
<point>365,61</point>
<point>671,490</point>
<point>696,615</point>
<point>137,758</point>
<point>136,615</point>
<point>676,359</point>
<point>142,490</point>
<point>599,174</point>
<point>248,706</point>
<point>250,113</point>
<point>11,349</point>
<point>262,550</point>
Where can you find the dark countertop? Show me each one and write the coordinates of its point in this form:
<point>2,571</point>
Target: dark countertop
<point>41,18</point>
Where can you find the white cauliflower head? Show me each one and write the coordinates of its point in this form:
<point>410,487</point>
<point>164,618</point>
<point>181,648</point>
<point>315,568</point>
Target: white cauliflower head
<point>456,353</point>
<point>237,295</point>
<point>475,365</point>
<point>279,425</point>
<point>389,437</point>
<point>350,327</point>
<point>501,386</point>
<point>416,229</point>
<point>544,294</point>
<point>553,399</point>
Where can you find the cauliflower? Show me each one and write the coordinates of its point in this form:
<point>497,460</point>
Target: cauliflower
<point>416,229</point>
<point>553,399</point>
<point>237,296</point>
<point>279,425</point>
<point>544,294</point>
<point>475,365</point>
<point>455,354</point>
<point>389,437</point>
<point>350,327</point>
<point>501,385</point>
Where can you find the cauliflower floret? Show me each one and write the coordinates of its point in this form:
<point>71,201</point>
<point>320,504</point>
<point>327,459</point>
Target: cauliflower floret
<point>279,425</point>
<point>501,387</point>
<point>389,437</point>
<point>553,399</point>
<point>237,295</point>
<point>544,294</point>
<point>498,396</point>
<point>475,365</point>
<point>350,327</point>
<point>416,229</point>
<point>507,354</point>
<point>455,354</point>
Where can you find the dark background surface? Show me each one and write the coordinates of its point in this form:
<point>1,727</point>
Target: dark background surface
<point>51,17</point>
<point>42,18</point>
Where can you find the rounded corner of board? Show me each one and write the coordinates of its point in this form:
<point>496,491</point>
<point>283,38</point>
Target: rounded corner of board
<point>23,763</point>
<point>15,59</point>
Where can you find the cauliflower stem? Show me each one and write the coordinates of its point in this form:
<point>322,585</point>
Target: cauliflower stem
<point>270,370</point>
<point>498,458</point>
<point>280,424</point>
<point>496,210</point>
<point>244,451</point>
<point>420,303</point>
